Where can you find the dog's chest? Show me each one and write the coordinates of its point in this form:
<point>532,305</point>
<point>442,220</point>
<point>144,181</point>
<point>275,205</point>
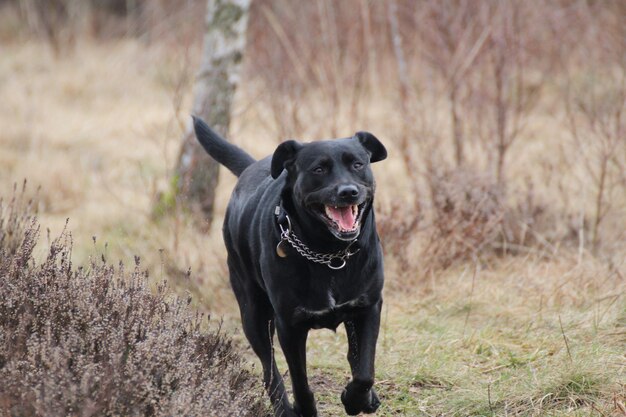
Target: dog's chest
<point>327,307</point>
<point>319,294</point>
<point>331,298</point>
<point>324,291</point>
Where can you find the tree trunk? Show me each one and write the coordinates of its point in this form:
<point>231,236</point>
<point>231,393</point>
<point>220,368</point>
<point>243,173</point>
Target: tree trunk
<point>224,41</point>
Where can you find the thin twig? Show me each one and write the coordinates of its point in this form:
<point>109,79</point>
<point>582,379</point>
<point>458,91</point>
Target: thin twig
<point>469,309</point>
<point>569,353</point>
<point>619,405</point>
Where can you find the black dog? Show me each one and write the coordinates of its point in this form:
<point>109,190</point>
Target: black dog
<point>303,253</point>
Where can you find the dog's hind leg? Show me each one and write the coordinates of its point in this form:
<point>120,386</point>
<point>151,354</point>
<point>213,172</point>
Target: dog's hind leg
<point>257,318</point>
<point>359,395</point>
<point>293,341</point>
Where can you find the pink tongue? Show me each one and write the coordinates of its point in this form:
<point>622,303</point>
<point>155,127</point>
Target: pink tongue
<point>343,216</point>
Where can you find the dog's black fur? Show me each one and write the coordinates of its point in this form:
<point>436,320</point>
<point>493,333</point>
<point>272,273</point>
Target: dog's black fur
<point>292,294</point>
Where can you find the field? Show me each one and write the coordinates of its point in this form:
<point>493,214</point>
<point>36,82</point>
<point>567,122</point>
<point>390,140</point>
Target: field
<point>535,329</point>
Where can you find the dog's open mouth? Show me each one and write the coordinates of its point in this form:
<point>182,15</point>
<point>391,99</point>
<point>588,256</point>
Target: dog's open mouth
<point>343,221</point>
<point>344,218</point>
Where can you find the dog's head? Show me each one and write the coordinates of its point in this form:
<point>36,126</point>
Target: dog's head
<point>331,180</point>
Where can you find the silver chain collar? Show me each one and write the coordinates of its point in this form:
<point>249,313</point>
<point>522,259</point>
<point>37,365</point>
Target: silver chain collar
<point>335,260</point>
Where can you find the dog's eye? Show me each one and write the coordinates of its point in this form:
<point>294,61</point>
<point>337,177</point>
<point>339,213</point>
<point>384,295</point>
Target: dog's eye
<point>357,165</point>
<point>319,170</point>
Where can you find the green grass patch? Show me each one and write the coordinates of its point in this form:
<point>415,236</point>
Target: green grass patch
<point>447,357</point>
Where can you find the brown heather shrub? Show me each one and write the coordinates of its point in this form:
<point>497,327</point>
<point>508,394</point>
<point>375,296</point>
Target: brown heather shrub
<point>95,341</point>
<point>470,216</point>
<point>468,209</point>
<point>531,224</point>
<point>397,225</point>
<point>16,216</point>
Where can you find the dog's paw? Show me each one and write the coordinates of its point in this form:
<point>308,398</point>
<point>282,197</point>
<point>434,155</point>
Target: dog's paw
<point>359,401</point>
<point>311,411</point>
<point>288,412</point>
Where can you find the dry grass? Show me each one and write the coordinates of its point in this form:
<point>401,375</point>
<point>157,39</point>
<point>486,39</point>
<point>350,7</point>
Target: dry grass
<point>492,344</point>
<point>98,130</point>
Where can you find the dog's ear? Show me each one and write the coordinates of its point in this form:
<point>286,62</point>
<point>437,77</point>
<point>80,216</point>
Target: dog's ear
<point>373,146</point>
<point>283,155</point>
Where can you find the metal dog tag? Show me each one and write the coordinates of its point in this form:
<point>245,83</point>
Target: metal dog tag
<point>281,249</point>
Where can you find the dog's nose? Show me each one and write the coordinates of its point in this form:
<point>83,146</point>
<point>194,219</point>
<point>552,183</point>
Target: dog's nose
<point>348,191</point>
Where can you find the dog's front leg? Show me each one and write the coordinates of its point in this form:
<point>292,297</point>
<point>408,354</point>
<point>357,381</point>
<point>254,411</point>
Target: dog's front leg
<point>293,342</point>
<point>359,395</point>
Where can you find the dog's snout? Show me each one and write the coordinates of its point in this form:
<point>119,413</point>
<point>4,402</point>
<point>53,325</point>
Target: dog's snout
<point>348,191</point>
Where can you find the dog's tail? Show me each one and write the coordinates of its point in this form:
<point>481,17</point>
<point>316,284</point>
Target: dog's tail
<point>224,152</point>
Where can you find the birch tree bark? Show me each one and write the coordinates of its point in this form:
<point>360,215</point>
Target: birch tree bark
<point>216,81</point>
